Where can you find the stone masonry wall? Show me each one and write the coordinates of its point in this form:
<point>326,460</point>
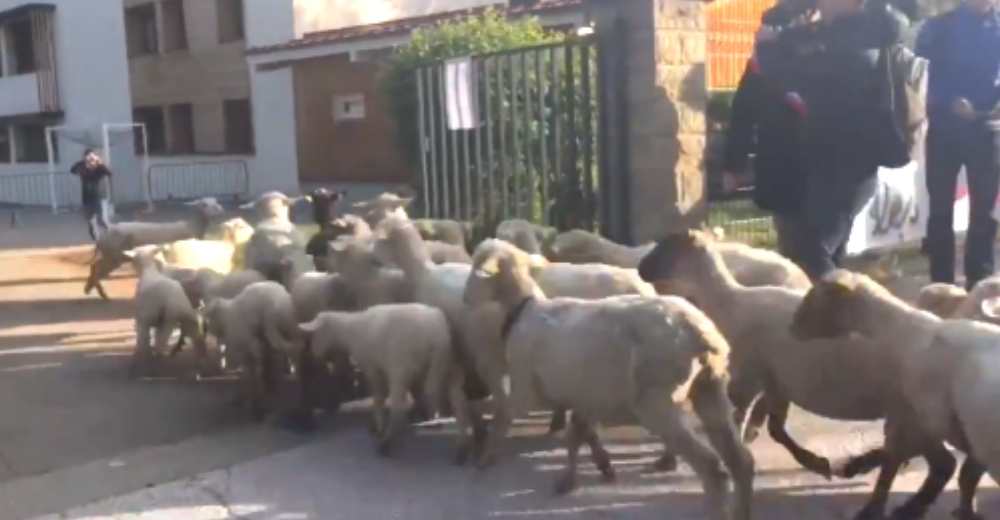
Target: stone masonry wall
<point>666,112</point>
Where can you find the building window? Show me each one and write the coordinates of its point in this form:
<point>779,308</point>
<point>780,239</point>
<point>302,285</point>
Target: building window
<point>20,46</point>
<point>181,118</point>
<point>346,108</point>
<point>229,14</point>
<point>142,37</point>
<point>239,126</point>
<point>29,144</point>
<point>156,129</point>
<point>174,26</point>
<point>5,152</point>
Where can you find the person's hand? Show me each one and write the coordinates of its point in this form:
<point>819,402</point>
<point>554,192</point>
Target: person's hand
<point>964,110</point>
<point>732,181</point>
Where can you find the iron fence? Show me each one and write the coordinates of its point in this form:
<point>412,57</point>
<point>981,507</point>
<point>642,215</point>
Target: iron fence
<point>58,191</point>
<point>191,180</point>
<point>522,133</point>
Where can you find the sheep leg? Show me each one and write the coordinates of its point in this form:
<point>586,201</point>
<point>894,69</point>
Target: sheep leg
<point>253,377</point>
<point>711,404</point>
<point>398,412</point>
<point>900,445</point>
<point>968,481</point>
<point>940,468</point>
<point>191,328</point>
<point>777,415</point>
<point>380,393</point>
<point>499,426</point>
<point>558,422</point>
<point>665,419</point>
<point>463,419</point>
<point>566,482</point>
<point>140,357</point>
<point>598,454</point>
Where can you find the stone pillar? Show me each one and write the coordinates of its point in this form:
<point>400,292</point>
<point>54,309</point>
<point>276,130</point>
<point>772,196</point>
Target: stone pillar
<point>665,112</point>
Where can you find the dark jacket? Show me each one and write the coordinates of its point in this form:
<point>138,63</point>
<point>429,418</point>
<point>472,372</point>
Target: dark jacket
<point>764,123</point>
<point>833,71</point>
<point>963,48</point>
<point>94,182</point>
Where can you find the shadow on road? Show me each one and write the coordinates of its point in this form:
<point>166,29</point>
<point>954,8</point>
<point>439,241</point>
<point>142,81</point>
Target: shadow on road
<point>62,310</point>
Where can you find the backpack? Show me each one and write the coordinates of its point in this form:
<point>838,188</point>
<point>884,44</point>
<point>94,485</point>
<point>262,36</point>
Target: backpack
<point>902,95</point>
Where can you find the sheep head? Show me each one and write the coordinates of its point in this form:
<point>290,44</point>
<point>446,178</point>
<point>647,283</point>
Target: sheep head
<point>272,204</point>
<point>500,273</point>
<point>680,261</point>
<point>941,299</point>
<point>577,246</point>
<point>208,207</point>
<point>523,234</point>
<point>351,225</point>
<point>324,204</point>
<point>352,257</point>
<point>399,243</point>
<point>213,313</point>
<point>236,231</point>
<point>377,209</point>
<point>832,308</point>
<point>144,257</point>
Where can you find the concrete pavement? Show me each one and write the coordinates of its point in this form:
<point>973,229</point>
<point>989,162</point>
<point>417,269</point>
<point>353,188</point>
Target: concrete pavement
<point>339,477</point>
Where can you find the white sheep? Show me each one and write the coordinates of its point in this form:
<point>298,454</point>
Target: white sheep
<point>275,238</point>
<point>389,205</point>
<point>949,301</point>
<point>398,347</point>
<point>842,379</point>
<point>527,236</point>
<point>477,331</point>
<point>216,255</point>
<point>370,282</point>
<point>945,378</point>
<point>110,247</point>
<point>314,292</point>
<point>751,266</point>
<point>161,306</point>
<point>620,360</point>
<point>258,325</point>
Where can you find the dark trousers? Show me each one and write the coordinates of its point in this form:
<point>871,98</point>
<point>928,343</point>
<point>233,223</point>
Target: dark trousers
<point>823,229</point>
<point>947,153</point>
<point>96,213</point>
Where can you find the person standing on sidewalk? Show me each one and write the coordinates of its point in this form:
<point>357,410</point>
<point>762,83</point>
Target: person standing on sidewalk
<point>95,180</point>
<point>763,123</point>
<point>963,48</point>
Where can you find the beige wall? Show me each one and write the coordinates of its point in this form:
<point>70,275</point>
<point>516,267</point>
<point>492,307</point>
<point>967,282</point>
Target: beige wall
<point>204,74</point>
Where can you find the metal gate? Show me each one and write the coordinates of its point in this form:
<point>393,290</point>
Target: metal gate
<point>524,133</point>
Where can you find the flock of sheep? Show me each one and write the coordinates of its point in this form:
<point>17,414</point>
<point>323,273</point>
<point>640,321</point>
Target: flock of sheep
<point>596,332</point>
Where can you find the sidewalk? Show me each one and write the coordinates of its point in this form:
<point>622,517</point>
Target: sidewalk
<point>341,478</point>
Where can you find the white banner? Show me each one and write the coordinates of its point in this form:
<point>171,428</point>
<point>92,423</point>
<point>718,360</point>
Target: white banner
<point>897,213</point>
<point>460,94</point>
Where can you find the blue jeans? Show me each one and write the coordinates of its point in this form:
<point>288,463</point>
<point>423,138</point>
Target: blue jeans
<point>827,219</point>
<point>979,153</point>
<point>96,213</point>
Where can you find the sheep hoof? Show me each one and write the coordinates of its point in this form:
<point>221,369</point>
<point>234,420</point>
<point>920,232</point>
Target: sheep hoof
<point>664,464</point>
<point>462,454</point>
<point>384,447</point>
<point>966,514</point>
<point>868,513</point>
<point>564,484</point>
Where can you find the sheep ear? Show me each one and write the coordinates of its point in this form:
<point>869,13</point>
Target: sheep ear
<point>538,261</point>
<point>719,233</point>
<point>248,205</point>
<point>991,307</point>
<point>307,198</point>
<point>488,269</point>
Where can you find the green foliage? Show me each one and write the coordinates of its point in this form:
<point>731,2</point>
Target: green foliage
<point>490,32</point>
<point>538,120</point>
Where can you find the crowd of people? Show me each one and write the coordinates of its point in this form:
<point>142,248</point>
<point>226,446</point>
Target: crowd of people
<point>824,103</point>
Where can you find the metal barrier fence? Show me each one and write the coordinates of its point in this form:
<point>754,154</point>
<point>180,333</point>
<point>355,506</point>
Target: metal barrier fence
<point>532,141</point>
<point>58,191</point>
<point>193,180</point>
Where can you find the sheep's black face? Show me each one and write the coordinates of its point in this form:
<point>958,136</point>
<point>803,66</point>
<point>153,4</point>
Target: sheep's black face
<point>324,204</point>
<point>667,256</point>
